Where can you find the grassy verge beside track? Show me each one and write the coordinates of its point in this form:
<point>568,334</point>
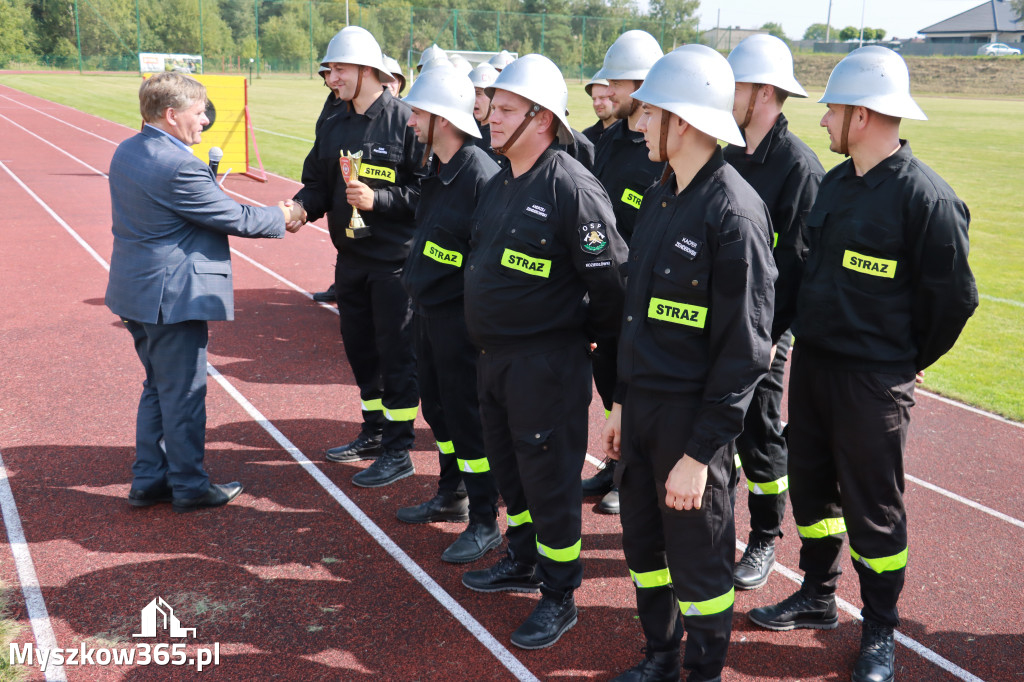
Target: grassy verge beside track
<point>973,144</point>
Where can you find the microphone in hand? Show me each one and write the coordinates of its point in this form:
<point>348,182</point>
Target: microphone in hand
<point>216,154</point>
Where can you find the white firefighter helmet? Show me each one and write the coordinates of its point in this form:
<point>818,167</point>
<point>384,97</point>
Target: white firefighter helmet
<point>766,60</point>
<point>483,76</point>
<point>445,92</point>
<point>395,69</point>
<point>429,54</point>
<point>356,45</point>
<point>461,64</point>
<point>630,57</point>
<point>501,60</point>
<point>874,77</point>
<point>536,78</point>
<point>695,83</point>
<point>589,87</point>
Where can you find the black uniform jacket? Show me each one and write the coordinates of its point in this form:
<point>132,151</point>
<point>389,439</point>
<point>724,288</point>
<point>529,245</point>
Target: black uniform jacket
<point>887,287</point>
<point>390,166</point>
<point>786,174</point>
<point>699,300</point>
<point>622,165</point>
<point>594,132</point>
<point>433,274</point>
<point>544,260</point>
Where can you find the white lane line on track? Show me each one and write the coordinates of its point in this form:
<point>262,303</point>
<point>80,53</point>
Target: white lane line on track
<point>35,605</point>
<point>475,628</point>
<point>912,644</point>
<point>963,500</point>
<point>969,408</point>
<point>485,638</point>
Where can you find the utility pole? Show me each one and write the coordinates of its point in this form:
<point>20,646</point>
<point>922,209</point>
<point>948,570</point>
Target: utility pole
<point>828,22</point>
<point>863,3</point>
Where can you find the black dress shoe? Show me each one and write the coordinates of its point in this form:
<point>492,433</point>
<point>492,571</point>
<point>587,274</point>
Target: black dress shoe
<point>363,447</point>
<point>325,296</point>
<point>150,496</point>
<point>452,508</point>
<point>756,564</point>
<point>217,495</point>
<point>877,659</point>
<point>508,575</point>
<point>657,666</point>
<point>473,543</point>
<point>551,618</point>
<point>600,483</point>
<point>391,466</point>
<point>799,610</point>
<point>609,504</point>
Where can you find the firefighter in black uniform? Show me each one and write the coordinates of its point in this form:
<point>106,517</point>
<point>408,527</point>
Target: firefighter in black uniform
<point>597,90</point>
<point>326,296</point>
<point>785,173</point>
<point>483,77</point>
<point>624,168</point>
<point>543,283</point>
<point>886,292</point>
<point>442,116</point>
<point>374,308</point>
<point>694,343</point>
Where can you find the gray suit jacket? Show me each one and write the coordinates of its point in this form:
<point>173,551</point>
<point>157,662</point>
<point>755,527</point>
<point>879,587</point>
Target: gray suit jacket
<point>171,223</point>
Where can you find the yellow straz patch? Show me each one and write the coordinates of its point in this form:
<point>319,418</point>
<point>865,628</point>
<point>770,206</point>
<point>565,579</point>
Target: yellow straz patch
<point>377,172</point>
<point>432,250</point>
<point>876,267</point>
<point>677,313</point>
<point>538,267</point>
<point>632,198</point>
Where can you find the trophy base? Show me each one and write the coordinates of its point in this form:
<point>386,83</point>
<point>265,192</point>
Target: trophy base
<point>357,232</point>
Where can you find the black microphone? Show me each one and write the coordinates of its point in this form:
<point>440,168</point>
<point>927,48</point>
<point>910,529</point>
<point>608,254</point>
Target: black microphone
<point>216,154</point>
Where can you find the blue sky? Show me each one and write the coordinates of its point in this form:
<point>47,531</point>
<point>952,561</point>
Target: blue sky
<point>900,18</point>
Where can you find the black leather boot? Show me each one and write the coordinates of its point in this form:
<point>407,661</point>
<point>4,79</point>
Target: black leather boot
<point>657,666</point>
<point>391,466</point>
<point>755,566</point>
<point>451,507</point>
<point>365,446</point>
<point>877,660</point>
<point>600,483</point>
<point>508,575</point>
<point>799,610</point>
<point>551,618</point>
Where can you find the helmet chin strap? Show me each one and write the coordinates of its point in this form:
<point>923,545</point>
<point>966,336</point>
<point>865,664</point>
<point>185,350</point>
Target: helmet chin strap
<point>503,149</point>
<point>430,140</point>
<point>756,88</point>
<point>844,139</point>
<point>666,118</point>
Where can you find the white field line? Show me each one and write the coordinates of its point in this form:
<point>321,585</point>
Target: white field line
<point>35,605</point>
<point>474,627</point>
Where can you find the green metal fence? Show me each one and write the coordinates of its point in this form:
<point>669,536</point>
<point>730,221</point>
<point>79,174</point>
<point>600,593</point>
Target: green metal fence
<point>289,36</point>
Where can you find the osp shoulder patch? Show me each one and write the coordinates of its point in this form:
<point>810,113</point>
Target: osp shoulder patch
<point>593,237</point>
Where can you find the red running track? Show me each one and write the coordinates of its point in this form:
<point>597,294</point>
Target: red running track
<point>305,576</point>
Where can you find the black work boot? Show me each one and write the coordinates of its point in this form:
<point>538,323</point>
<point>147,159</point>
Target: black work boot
<point>441,507</point>
<point>365,446</point>
<point>609,504</point>
<point>391,466</point>
<point>755,565</point>
<point>508,575</point>
<point>551,618</point>
<point>600,483</point>
<point>799,610</point>
<point>877,660</point>
<point>478,539</point>
<point>657,666</point>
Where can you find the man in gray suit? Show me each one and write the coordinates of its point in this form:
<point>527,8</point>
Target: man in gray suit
<point>170,272</point>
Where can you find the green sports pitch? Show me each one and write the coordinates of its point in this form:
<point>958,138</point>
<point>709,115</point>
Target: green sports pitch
<point>975,144</point>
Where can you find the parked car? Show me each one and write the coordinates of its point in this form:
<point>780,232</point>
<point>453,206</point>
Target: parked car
<point>997,50</point>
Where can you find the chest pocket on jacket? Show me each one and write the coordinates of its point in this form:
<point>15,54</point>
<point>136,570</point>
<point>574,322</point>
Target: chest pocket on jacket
<point>871,257</point>
<point>528,248</point>
<point>679,285</point>
<point>379,166</point>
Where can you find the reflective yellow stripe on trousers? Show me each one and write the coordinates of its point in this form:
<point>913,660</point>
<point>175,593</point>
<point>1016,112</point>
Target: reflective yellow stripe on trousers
<point>446,447</point>
<point>401,414</point>
<point>823,528</point>
<point>883,564</point>
<point>771,488</point>
<point>519,519</point>
<point>656,578</point>
<point>709,607</point>
<point>371,405</point>
<point>474,466</point>
<point>570,553</point>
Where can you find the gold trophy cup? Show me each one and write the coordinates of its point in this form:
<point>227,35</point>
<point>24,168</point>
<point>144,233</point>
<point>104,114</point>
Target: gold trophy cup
<point>357,228</point>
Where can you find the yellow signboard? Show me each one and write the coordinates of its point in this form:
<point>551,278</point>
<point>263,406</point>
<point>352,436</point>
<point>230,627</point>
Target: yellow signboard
<point>226,110</point>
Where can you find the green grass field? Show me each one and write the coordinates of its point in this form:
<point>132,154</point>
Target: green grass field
<point>975,144</point>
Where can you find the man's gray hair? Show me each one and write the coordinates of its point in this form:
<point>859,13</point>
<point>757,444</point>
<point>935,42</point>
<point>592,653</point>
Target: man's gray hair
<point>168,90</point>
